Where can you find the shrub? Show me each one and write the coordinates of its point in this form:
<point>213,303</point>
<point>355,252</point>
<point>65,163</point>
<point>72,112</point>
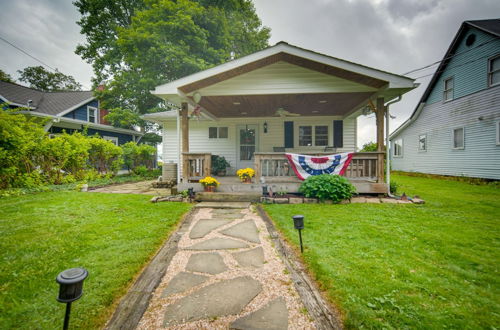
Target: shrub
<point>104,156</point>
<point>394,187</point>
<point>325,186</point>
<point>135,155</point>
<point>141,170</point>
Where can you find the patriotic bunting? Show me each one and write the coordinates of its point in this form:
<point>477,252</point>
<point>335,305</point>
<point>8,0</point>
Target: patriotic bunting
<point>305,166</point>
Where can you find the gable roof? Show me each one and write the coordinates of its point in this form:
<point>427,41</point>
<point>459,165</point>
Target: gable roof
<point>490,26</point>
<point>52,103</point>
<point>283,51</point>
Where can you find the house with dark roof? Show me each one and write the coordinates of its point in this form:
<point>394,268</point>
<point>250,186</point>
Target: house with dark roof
<point>69,111</point>
<point>455,128</point>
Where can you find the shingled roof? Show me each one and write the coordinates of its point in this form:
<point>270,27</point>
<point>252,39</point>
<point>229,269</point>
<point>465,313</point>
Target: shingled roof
<point>51,103</point>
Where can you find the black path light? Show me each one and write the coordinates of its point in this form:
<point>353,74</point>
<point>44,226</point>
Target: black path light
<point>298,223</point>
<point>191,193</point>
<point>265,193</point>
<point>70,288</point>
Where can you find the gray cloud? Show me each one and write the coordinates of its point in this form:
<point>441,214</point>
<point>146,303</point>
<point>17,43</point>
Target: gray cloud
<point>392,35</point>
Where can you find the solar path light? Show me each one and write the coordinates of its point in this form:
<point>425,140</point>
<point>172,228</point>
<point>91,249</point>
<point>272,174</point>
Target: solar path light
<point>70,288</point>
<point>298,223</point>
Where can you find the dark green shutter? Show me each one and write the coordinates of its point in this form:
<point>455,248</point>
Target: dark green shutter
<point>288,134</point>
<point>338,133</point>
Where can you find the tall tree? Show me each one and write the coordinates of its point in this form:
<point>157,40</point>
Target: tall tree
<point>4,76</point>
<point>161,40</point>
<point>39,78</point>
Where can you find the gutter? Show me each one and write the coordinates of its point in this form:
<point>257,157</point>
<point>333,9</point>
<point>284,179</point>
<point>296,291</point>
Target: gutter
<point>387,149</point>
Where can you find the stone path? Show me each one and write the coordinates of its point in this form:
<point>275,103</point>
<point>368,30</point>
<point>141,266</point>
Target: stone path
<point>142,187</point>
<point>226,275</point>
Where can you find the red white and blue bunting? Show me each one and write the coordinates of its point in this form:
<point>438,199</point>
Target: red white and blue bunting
<point>305,166</point>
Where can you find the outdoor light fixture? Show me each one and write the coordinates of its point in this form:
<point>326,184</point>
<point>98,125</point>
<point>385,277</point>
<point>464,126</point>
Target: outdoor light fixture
<point>264,191</point>
<point>70,288</point>
<point>265,127</point>
<point>298,223</point>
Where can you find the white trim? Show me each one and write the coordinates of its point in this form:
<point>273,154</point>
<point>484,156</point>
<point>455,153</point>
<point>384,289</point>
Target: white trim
<point>395,81</point>
<point>83,123</point>
<point>14,103</point>
<point>113,139</point>
<point>96,116</point>
<point>60,114</point>
<point>453,138</point>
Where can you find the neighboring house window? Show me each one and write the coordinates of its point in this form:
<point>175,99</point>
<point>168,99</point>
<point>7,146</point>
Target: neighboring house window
<point>92,114</point>
<point>113,139</point>
<point>308,134</point>
<point>458,138</point>
<point>494,71</point>
<point>217,132</point>
<point>422,142</point>
<point>498,132</point>
<point>448,89</point>
<point>321,135</point>
<point>398,148</point>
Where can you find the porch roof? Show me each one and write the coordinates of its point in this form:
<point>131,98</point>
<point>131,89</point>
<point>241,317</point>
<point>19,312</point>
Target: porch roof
<point>284,77</point>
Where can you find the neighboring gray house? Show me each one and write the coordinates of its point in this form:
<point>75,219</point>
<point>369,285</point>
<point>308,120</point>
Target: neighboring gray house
<point>67,111</point>
<point>455,128</point>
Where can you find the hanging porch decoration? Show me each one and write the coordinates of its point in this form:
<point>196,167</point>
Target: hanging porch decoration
<point>305,166</point>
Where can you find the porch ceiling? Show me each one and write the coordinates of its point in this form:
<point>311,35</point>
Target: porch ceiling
<point>321,104</point>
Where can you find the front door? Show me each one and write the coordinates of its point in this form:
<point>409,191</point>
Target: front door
<point>247,145</point>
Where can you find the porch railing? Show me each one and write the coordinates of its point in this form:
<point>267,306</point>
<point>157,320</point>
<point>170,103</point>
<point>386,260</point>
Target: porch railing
<point>274,165</point>
<point>196,166</point>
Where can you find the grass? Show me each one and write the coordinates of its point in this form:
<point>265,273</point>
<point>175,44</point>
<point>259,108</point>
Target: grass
<point>430,266</point>
<point>111,235</point>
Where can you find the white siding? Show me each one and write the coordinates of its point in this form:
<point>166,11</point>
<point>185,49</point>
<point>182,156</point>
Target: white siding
<point>481,155</point>
<point>199,141</point>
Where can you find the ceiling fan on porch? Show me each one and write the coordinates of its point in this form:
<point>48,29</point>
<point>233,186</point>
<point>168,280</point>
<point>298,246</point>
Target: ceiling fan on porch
<point>284,113</point>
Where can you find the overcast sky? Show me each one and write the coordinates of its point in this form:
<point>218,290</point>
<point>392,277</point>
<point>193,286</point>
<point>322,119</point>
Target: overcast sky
<point>392,35</point>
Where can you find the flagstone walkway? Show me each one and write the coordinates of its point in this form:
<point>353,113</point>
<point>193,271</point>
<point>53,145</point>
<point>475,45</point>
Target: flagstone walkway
<point>226,274</point>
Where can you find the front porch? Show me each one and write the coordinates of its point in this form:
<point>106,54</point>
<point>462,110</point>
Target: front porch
<point>272,169</point>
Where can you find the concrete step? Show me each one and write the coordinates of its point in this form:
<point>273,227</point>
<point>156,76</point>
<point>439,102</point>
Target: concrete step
<point>223,205</point>
<point>228,196</point>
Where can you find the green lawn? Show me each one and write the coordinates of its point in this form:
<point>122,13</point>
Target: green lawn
<point>111,235</point>
<point>429,266</point>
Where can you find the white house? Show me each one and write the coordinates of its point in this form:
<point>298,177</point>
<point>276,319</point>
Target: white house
<point>455,129</point>
<point>283,98</point>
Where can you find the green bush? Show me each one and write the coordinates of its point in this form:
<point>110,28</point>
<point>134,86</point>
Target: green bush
<point>325,186</point>
<point>135,155</point>
<point>141,170</point>
<point>393,187</point>
<point>104,156</point>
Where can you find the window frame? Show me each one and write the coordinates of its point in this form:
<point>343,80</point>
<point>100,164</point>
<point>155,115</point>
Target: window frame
<point>490,73</point>
<point>96,114</point>
<point>400,155</point>
<point>425,143</point>
<point>453,138</point>
<point>113,139</point>
<point>313,136</point>
<point>217,132</point>
<point>452,89</point>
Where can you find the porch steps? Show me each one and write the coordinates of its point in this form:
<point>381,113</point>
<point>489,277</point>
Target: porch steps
<point>228,196</point>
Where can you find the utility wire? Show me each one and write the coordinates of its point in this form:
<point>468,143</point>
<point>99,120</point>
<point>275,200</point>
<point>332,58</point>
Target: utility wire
<point>28,54</point>
<point>454,66</point>
<point>451,56</point>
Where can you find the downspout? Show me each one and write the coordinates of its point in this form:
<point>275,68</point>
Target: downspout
<point>178,147</point>
<point>387,152</point>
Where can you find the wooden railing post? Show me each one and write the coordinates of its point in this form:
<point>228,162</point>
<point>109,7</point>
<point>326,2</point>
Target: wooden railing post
<point>257,167</point>
<point>207,165</point>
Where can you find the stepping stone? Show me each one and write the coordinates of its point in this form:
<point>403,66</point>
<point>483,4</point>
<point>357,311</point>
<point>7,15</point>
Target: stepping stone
<point>211,263</point>
<point>182,282</point>
<point>246,230</point>
<point>251,258</point>
<point>223,298</point>
<point>272,316</point>
<point>218,244</point>
<point>204,226</point>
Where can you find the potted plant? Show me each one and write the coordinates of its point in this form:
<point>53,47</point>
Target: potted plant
<point>246,174</point>
<point>209,184</point>
<point>219,165</point>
